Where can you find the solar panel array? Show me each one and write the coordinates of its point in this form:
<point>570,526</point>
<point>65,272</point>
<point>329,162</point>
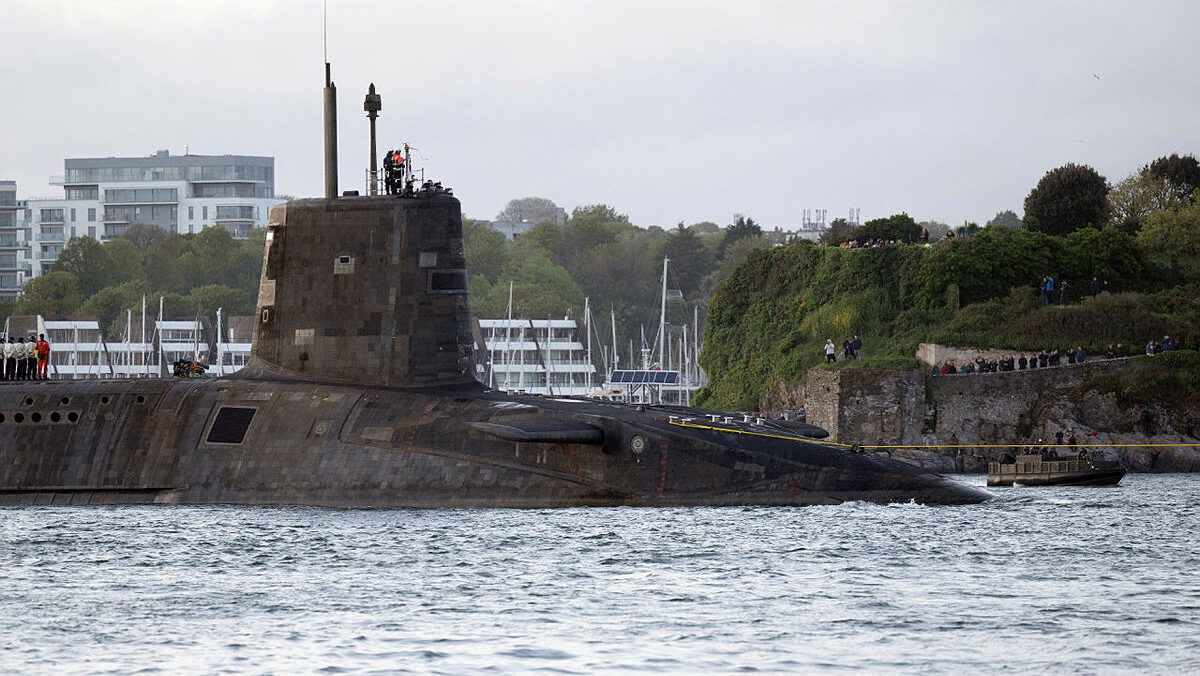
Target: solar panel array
<point>646,377</point>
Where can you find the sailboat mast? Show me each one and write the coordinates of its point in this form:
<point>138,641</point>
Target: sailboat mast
<point>145,364</point>
<point>662,318</point>
<point>616,357</point>
<point>220,368</point>
<point>587,327</point>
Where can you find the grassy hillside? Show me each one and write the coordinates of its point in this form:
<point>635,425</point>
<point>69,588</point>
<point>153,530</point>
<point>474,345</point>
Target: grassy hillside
<point>769,320</point>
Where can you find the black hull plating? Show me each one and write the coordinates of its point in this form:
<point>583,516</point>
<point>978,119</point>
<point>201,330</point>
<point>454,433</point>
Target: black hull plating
<point>295,442</point>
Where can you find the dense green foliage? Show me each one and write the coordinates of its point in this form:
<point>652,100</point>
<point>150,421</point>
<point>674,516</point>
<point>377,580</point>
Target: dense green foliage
<point>195,274</point>
<point>599,254</point>
<point>1066,199</point>
<point>1182,174</point>
<point>1171,378</point>
<point>769,320</point>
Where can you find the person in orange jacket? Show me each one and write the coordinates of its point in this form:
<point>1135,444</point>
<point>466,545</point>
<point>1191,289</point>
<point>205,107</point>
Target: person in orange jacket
<point>43,356</point>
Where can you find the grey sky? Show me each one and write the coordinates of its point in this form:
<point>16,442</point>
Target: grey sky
<point>667,111</point>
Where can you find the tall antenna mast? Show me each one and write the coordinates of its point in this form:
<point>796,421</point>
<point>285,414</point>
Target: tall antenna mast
<point>330,136</point>
<point>330,97</point>
<point>373,104</point>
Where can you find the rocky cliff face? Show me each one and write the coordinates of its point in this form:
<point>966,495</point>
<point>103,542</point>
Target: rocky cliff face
<point>914,408</point>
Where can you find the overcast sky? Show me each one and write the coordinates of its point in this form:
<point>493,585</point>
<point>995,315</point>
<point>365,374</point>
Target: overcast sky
<point>667,111</point>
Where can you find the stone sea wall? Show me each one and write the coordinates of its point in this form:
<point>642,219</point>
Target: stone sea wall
<point>916,408</point>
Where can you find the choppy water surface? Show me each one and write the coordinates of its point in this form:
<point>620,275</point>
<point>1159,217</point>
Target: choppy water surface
<point>1058,579</point>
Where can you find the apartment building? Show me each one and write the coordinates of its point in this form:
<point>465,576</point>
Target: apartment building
<point>178,193</point>
<point>14,249</point>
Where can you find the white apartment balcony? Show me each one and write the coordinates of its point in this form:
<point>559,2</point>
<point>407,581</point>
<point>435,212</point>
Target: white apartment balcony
<point>9,265</point>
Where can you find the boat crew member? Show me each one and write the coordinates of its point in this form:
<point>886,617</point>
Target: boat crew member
<point>43,356</point>
<point>31,358</point>
<point>10,362</point>
<point>389,172</point>
<point>19,358</point>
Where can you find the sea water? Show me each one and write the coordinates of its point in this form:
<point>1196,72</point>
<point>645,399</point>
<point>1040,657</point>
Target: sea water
<point>1088,580</point>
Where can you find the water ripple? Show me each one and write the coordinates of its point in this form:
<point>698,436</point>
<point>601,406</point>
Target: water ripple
<point>1062,580</point>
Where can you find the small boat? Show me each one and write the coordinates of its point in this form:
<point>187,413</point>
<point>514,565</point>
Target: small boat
<point>1044,469</point>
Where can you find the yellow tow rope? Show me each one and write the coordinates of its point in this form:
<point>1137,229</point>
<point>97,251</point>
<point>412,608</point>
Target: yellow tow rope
<point>880,446</point>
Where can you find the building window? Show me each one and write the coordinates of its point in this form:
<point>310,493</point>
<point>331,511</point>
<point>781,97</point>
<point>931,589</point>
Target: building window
<point>191,213</point>
<point>72,215</point>
<point>92,215</point>
<point>204,213</point>
<point>92,231</point>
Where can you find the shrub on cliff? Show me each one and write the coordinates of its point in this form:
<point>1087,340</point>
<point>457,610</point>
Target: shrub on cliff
<point>1171,378</point>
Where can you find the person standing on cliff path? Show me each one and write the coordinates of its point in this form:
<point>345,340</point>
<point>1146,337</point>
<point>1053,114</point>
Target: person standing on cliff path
<point>830,351</point>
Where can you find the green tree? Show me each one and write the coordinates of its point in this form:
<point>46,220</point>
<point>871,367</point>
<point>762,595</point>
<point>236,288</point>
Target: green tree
<point>214,248</point>
<point>541,289</point>
<point>520,209</point>
<point>899,227</point>
<point>1173,237</point>
<point>742,227</point>
<point>1131,200</point>
<point>1007,218</point>
<point>690,260</point>
<point>161,266</point>
<point>487,250</point>
<point>544,236</point>
<point>110,304</point>
<point>122,262</point>
<point>1110,254</point>
<point>1182,174</point>
<point>87,260</point>
<point>705,228</point>
<point>143,236</point>
<point>600,212</point>
<point>735,255</point>
<point>54,295</point>
<point>838,232</point>
<point>1066,199</point>
<point>208,298</point>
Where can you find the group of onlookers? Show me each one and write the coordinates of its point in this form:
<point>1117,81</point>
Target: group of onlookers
<point>1040,360</point>
<point>851,349</point>
<point>1047,286</point>
<point>23,360</point>
<point>1165,345</point>
<point>1047,358</point>
<point>867,243</point>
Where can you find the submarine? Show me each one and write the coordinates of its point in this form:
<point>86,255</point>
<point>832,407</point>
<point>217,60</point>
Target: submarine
<point>360,393</point>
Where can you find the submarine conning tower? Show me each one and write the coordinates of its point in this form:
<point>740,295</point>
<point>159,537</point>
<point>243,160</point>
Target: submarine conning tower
<point>366,290</point>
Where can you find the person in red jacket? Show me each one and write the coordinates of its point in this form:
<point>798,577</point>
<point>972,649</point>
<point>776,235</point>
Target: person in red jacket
<point>43,356</point>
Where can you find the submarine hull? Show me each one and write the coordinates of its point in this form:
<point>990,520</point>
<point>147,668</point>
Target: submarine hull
<point>255,440</point>
<point>360,393</point>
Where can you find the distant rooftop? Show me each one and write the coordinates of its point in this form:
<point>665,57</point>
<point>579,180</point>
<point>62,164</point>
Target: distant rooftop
<point>164,158</point>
